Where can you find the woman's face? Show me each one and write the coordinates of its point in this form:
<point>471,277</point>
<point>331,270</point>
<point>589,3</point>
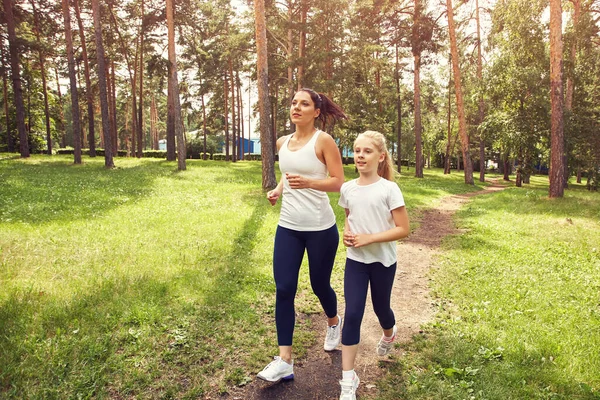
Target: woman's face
<point>302,110</point>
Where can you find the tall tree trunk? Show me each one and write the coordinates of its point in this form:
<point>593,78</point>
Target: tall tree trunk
<point>140,123</point>
<point>573,56</point>
<point>226,115</point>
<point>132,79</point>
<point>9,136</point>
<point>290,58</point>
<point>15,68</point>
<point>302,45</point>
<point>268,162</point>
<point>173,82</point>
<point>114,132</point>
<point>417,112</point>
<point>63,143</point>
<point>88,82</point>
<point>153,123</point>
<point>399,113</point>
<point>416,52</point>
<point>233,118</point>
<point>108,154</point>
<point>480,104</point>
<point>449,127</point>
<point>240,114</point>
<point>204,124</point>
<point>36,22</point>
<point>460,106</point>
<point>73,84</point>
<point>556,99</point>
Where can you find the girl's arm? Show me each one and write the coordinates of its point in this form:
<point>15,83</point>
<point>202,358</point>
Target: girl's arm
<point>348,237</point>
<point>401,230</point>
<point>331,157</point>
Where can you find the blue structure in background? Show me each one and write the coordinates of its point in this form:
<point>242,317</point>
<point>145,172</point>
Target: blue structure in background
<point>247,145</point>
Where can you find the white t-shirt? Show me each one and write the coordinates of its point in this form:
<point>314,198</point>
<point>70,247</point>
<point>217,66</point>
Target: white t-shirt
<point>304,209</point>
<point>370,209</point>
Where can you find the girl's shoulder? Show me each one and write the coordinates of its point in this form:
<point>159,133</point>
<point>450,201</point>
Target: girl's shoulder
<point>281,140</point>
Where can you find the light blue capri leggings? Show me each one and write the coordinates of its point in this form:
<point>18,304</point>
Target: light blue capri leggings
<point>288,253</point>
<point>356,282</point>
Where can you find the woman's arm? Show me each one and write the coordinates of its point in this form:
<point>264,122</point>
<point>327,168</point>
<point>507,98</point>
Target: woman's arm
<point>275,194</point>
<point>401,230</point>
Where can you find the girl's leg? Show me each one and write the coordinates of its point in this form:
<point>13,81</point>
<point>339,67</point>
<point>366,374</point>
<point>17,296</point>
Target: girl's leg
<point>287,258</point>
<point>321,247</point>
<point>356,284</point>
<point>382,281</point>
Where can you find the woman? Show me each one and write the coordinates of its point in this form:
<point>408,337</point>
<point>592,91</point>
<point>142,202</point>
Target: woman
<point>310,165</point>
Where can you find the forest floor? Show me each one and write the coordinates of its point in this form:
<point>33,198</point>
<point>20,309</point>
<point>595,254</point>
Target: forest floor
<point>317,375</point>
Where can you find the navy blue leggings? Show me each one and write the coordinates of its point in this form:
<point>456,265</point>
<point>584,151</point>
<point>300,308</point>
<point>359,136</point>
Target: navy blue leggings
<point>356,282</point>
<point>321,247</point>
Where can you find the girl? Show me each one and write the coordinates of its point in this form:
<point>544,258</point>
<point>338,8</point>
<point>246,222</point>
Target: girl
<point>310,165</point>
<point>375,219</point>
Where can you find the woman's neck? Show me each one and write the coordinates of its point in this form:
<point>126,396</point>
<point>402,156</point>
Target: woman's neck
<point>305,130</point>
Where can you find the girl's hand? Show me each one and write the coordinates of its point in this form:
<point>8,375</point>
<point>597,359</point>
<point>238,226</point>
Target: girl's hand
<point>297,181</point>
<point>361,240</point>
<point>348,239</point>
<point>272,196</point>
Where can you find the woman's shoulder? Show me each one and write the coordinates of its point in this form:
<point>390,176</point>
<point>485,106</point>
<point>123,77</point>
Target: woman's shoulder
<point>281,140</point>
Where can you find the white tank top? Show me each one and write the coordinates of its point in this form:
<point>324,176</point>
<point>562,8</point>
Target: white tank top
<point>304,209</point>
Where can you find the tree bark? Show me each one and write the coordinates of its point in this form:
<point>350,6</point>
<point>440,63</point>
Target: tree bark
<point>62,114</point>
<point>36,23</point>
<point>556,99</point>
<point>140,123</point>
<point>108,154</point>
<point>233,118</point>
<point>73,84</point>
<point>302,45</point>
<point>480,104</point>
<point>226,115</point>
<point>16,78</point>
<point>88,82</point>
<point>399,114</point>
<point>173,82</point>
<point>462,121</point>
<point>267,144</point>
<point>9,136</point>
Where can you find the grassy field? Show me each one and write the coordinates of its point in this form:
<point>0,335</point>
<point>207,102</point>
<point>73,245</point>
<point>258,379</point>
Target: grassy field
<point>151,283</point>
<point>518,297</point>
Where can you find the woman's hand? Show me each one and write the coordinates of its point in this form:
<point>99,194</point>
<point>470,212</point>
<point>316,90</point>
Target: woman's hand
<point>273,195</point>
<point>297,181</point>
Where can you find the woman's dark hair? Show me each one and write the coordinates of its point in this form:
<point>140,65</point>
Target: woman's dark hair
<point>330,112</point>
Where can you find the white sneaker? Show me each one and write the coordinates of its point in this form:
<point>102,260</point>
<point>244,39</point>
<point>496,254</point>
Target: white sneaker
<point>333,336</point>
<point>277,370</point>
<point>349,388</point>
<point>385,346</point>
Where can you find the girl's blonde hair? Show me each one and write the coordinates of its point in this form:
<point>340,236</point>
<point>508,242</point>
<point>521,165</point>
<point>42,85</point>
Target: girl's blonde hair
<point>386,167</point>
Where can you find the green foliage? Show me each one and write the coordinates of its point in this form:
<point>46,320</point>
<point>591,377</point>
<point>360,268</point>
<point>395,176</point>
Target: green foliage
<point>517,302</point>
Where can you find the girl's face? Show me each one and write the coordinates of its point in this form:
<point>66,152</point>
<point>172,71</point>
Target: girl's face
<point>302,110</point>
<point>366,155</point>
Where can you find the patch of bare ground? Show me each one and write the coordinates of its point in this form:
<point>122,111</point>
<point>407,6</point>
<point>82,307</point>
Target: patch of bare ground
<point>317,375</point>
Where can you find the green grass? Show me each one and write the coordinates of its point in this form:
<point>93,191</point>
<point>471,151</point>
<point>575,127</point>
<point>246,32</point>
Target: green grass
<point>519,303</point>
<point>145,282</point>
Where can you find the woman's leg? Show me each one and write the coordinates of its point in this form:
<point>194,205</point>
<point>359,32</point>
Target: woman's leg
<point>321,247</point>
<point>287,258</point>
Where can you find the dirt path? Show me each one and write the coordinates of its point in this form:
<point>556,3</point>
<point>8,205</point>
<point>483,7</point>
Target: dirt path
<point>316,377</point>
